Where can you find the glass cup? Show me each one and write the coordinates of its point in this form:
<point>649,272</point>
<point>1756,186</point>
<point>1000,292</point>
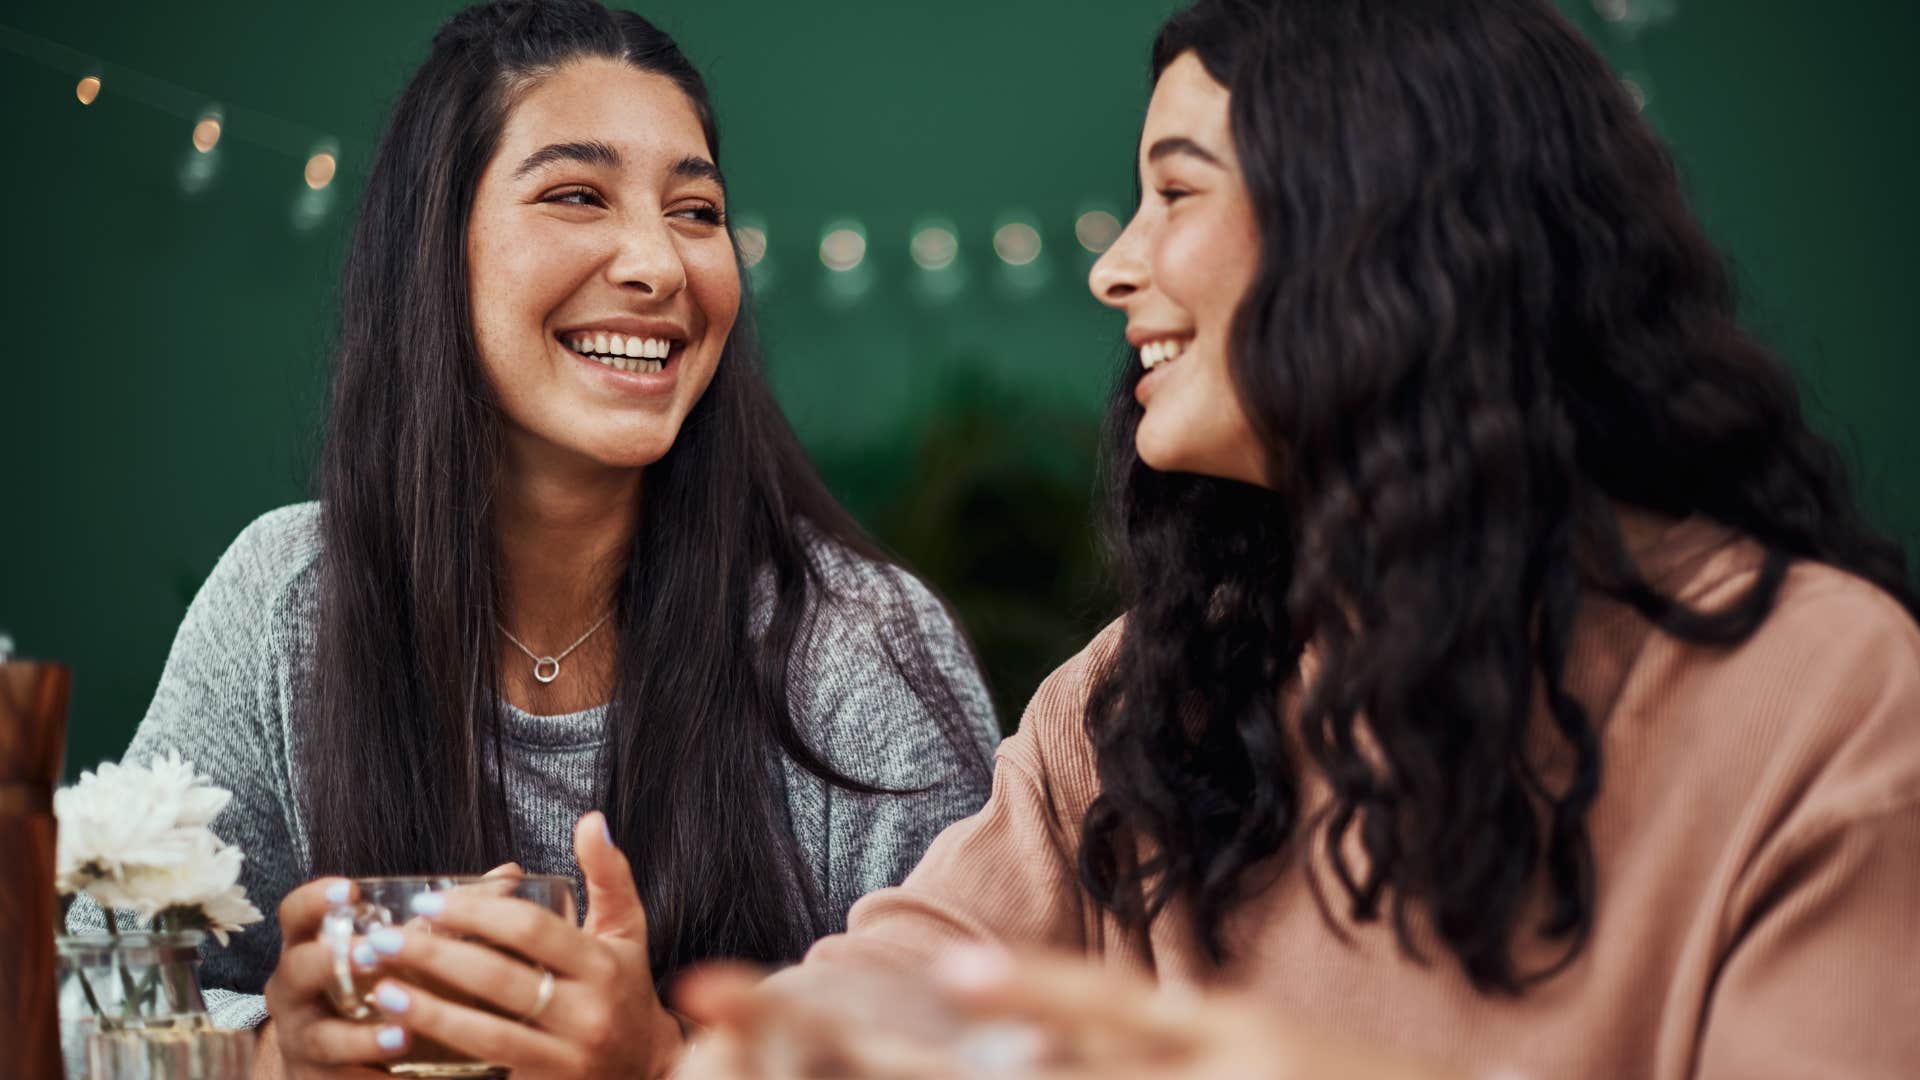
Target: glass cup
<point>388,902</point>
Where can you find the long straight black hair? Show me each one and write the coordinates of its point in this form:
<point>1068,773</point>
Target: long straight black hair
<point>1483,317</point>
<point>402,753</point>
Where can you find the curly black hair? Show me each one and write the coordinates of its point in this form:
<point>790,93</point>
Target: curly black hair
<point>1484,319</point>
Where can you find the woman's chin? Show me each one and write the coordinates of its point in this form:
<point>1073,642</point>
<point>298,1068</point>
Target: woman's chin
<point>1157,452</point>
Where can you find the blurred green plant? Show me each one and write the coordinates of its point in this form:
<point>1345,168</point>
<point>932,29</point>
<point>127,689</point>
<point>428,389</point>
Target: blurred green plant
<point>998,512</point>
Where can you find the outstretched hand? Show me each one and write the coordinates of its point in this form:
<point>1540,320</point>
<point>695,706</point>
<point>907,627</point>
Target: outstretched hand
<point>1036,1016</point>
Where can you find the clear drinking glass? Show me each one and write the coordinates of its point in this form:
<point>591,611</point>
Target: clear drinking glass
<point>388,902</point>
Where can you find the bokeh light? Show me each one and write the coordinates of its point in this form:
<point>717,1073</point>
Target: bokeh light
<point>1096,230</point>
<point>1017,243</point>
<point>1637,92</point>
<point>320,169</point>
<point>206,133</point>
<point>934,246</point>
<point>753,244</point>
<point>88,89</point>
<point>843,247</point>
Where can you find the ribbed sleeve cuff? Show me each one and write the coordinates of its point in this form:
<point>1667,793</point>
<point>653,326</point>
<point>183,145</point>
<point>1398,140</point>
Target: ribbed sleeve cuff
<point>232,1009</point>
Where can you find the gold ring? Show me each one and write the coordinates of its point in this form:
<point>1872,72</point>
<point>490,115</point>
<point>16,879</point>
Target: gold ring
<point>542,998</point>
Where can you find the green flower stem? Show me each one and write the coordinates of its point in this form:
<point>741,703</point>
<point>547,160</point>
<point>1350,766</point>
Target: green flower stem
<point>99,1013</point>
<point>130,995</point>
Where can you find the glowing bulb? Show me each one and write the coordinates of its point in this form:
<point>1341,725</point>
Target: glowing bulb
<point>1017,243</point>
<point>206,134</point>
<point>1096,230</point>
<point>88,89</point>
<point>320,169</point>
<point>753,244</point>
<point>934,247</point>
<point>843,248</point>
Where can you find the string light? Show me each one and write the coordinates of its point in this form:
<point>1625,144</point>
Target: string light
<point>843,248</point>
<point>753,244</point>
<point>206,133</point>
<point>88,89</point>
<point>320,169</point>
<point>1017,243</point>
<point>934,247</point>
<point>1096,230</point>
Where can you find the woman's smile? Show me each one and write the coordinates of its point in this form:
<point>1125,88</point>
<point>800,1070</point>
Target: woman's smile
<point>630,356</point>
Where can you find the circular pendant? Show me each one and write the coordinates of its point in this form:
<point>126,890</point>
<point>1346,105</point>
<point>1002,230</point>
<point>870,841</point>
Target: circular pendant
<point>546,669</point>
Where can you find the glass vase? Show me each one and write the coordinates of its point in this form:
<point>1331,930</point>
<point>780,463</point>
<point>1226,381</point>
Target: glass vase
<point>131,1009</point>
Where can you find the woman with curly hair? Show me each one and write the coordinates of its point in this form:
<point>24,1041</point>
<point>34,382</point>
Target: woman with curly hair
<point>1509,682</point>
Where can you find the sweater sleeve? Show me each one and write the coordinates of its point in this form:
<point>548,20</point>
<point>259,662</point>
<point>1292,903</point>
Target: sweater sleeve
<point>1823,982</point>
<point>220,705</point>
<point>892,698</point>
<point>1008,873</point>
<point>1819,976</point>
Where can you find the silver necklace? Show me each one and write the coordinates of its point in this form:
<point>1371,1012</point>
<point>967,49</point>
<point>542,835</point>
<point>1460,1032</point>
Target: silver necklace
<point>547,668</point>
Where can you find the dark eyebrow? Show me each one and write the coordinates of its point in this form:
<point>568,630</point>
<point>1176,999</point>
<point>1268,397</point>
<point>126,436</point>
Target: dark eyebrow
<point>693,167</point>
<point>591,152</point>
<point>1179,145</point>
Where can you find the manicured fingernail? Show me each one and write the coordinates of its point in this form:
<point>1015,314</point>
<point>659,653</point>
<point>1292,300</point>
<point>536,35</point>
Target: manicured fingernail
<point>391,998</point>
<point>363,956</point>
<point>387,940</point>
<point>975,967</point>
<point>428,904</point>
<point>339,892</point>
<point>606,830</point>
<point>391,1037</point>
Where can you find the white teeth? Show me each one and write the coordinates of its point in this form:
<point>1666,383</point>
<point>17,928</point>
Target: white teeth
<point>624,353</point>
<point>1155,353</point>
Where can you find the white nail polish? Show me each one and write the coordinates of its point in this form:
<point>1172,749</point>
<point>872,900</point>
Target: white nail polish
<point>391,998</point>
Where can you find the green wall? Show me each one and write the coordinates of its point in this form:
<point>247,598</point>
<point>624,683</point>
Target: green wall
<point>164,359</point>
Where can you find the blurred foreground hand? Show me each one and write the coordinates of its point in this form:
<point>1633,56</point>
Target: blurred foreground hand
<point>984,1012</point>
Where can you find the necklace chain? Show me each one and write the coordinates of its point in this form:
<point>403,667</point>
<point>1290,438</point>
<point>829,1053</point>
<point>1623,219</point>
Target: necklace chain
<point>547,668</point>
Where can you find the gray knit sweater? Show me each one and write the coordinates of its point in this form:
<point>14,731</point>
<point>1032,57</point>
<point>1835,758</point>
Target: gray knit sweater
<point>244,655</point>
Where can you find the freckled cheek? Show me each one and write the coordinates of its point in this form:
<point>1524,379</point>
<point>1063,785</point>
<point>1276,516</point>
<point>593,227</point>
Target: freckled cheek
<point>714,281</point>
<point>530,271</point>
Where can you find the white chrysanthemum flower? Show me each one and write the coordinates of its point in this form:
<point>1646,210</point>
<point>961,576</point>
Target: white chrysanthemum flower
<point>108,823</point>
<point>192,797</point>
<point>138,839</point>
<point>200,892</point>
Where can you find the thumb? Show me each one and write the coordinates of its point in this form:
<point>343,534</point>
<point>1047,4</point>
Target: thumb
<point>718,994</point>
<point>613,902</point>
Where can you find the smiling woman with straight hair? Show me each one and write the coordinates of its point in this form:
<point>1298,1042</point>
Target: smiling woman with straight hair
<point>567,557</point>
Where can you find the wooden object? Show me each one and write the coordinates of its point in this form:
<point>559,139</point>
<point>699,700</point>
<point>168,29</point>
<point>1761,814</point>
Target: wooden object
<point>33,731</point>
